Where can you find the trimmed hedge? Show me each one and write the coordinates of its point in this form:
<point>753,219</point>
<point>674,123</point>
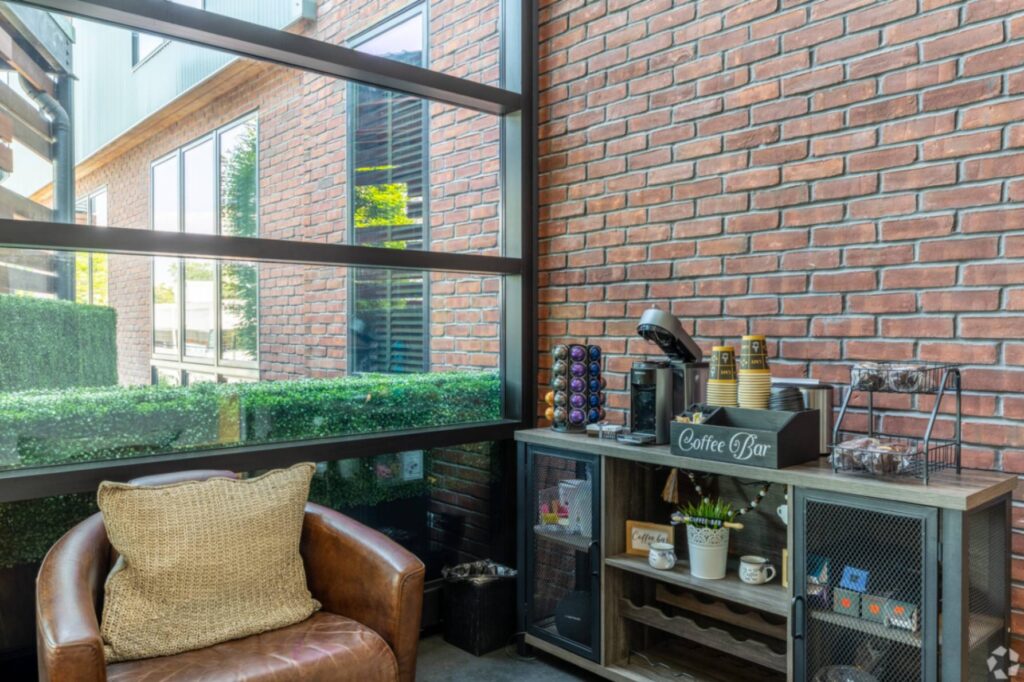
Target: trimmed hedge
<point>55,344</point>
<point>39,428</point>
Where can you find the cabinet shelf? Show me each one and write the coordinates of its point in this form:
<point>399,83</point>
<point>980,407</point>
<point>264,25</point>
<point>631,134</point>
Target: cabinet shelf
<point>872,628</point>
<point>751,650</point>
<point>581,543</point>
<point>772,598</point>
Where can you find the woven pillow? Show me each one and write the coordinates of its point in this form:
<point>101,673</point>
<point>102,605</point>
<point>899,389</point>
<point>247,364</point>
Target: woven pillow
<point>203,562</point>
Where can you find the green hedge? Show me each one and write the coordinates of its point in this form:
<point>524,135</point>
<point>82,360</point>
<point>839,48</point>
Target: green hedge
<point>39,428</point>
<point>55,344</point>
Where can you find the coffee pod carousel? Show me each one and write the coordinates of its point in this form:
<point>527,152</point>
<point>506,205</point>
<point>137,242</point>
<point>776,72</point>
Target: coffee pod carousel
<point>577,395</point>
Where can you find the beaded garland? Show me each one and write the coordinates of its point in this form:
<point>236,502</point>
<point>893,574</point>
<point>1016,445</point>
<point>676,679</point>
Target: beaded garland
<point>751,505</point>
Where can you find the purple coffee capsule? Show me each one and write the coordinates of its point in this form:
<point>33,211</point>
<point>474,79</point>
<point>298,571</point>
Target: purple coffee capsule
<point>595,352</point>
<point>576,416</point>
<point>560,352</point>
<point>594,415</point>
<point>578,369</point>
<point>577,400</point>
<point>558,383</point>
<point>576,385</point>
<point>577,353</point>
<point>595,368</point>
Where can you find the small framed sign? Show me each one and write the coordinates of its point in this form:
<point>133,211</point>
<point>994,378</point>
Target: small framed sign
<point>640,535</point>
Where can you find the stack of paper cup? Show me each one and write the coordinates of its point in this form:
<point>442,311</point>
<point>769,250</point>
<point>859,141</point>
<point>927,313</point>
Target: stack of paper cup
<point>755,379</point>
<point>722,383</point>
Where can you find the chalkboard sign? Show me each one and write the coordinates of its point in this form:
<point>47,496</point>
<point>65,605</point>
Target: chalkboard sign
<point>770,439</point>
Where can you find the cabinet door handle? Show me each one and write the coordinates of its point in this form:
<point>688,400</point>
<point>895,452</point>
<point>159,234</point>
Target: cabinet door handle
<point>595,559</point>
<point>796,617</point>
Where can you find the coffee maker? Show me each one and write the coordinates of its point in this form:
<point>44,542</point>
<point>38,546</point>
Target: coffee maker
<point>659,390</point>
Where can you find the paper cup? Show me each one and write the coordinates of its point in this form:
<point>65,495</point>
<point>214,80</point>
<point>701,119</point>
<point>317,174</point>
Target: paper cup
<point>723,363</point>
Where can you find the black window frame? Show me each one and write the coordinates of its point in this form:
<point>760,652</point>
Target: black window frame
<point>514,102</point>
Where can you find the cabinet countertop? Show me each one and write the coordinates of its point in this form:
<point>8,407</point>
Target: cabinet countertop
<point>971,489</point>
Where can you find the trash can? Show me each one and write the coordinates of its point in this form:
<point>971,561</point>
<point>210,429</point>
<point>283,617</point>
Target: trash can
<point>479,606</point>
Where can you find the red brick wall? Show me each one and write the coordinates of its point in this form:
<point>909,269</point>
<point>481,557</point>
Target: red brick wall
<point>840,175</point>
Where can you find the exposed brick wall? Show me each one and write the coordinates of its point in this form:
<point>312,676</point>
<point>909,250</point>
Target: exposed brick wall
<point>844,176</point>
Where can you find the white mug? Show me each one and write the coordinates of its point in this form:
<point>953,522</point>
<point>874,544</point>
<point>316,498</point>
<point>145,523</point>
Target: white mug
<point>661,556</point>
<point>783,511</point>
<point>755,570</point>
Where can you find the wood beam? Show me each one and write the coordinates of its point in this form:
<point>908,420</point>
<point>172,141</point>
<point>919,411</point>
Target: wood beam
<point>23,207</point>
<point>19,60</point>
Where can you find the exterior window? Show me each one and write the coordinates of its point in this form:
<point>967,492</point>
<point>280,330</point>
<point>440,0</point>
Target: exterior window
<point>387,148</point>
<point>205,312</point>
<point>145,44</point>
<point>92,269</point>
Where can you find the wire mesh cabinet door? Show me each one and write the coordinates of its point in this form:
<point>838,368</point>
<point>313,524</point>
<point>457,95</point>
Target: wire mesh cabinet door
<point>560,580</point>
<point>865,604</point>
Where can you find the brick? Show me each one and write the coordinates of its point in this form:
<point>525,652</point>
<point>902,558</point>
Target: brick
<point>783,284</point>
<point>962,145</point>
<point>812,305</point>
<point>978,195</point>
<point>882,207</point>
<point>921,27</point>
<point>788,63</point>
<point>944,351</point>
<point>846,47</point>
<point>917,178</point>
<point>844,95</point>
<point>885,61</point>
<point>864,280</point>
<point>978,248</point>
<point>883,13</point>
<point>779,241</point>
<point>993,167</point>
<point>763,306</point>
<point>962,41</point>
<point>781,197</point>
<point>993,274</point>
<point>961,93</point>
<point>979,10</point>
<point>813,215</point>
<point>752,179</point>
<point>752,137</point>
<point>778,154</point>
<point>1001,327</point>
<point>883,158</point>
<point>882,303</point>
<point>753,222</point>
<point>986,115</point>
<point>812,170</point>
<point>1000,59</point>
<point>839,144</point>
<point>931,327</point>
<point>919,77</point>
<point>846,187</point>
<point>919,278</point>
<point>917,228</point>
<point>748,11</point>
<point>812,125</point>
<point>885,110</point>
<point>813,80</point>
<point>872,256</point>
<point>915,129</point>
<point>778,23</point>
<point>812,35</point>
<point>843,327</point>
<point>841,235</point>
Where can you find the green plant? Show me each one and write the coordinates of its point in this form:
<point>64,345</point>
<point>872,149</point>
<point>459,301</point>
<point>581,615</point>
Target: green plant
<point>55,344</point>
<point>707,510</point>
<point>40,428</point>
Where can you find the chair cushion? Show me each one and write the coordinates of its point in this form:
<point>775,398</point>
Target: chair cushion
<point>325,647</point>
<point>203,562</point>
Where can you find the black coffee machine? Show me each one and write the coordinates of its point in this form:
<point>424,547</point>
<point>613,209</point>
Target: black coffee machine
<point>659,390</point>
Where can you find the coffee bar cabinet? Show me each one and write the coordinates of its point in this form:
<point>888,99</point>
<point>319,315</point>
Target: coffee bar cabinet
<point>889,580</point>
<point>560,580</point>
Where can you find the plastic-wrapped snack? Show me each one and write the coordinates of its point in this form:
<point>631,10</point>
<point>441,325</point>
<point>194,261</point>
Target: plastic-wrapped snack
<point>867,376</point>
<point>907,378</point>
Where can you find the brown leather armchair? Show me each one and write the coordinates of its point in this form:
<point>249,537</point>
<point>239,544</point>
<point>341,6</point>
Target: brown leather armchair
<point>368,630</point>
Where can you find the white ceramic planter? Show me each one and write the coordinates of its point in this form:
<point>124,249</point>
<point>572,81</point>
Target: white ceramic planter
<point>709,549</point>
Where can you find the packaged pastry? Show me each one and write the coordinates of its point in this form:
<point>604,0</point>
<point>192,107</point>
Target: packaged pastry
<point>867,376</point>
<point>879,456</point>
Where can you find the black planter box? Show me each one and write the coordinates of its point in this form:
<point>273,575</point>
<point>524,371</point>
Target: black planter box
<point>769,439</point>
<point>480,617</point>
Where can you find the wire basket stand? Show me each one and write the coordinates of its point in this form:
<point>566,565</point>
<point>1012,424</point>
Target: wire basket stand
<point>921,456</point>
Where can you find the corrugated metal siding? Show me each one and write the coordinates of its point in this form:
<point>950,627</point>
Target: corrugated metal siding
<point>112,95</point>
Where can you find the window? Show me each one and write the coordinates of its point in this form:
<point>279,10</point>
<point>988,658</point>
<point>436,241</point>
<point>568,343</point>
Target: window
<point>92,269</point>
<point>387,205</point>
<point>205,312</point>
<point>145,44</point>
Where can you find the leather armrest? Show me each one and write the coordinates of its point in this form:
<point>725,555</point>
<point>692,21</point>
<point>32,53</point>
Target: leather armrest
<point>362,574</point>
<point>68,591</point>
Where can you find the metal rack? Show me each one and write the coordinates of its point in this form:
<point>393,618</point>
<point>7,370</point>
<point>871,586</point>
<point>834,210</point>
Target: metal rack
<point>926,454</point>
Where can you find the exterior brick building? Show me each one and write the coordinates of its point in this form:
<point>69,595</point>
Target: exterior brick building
<point>843,176</point>
<point>303,194</point>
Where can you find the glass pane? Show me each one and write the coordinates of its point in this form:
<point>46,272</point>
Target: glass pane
<point>166,313</point>
<point>390,321</point>
<point>239,314</point>
<point>145,45</point>
<point>295,156</point>
<point>100,279</point>
<point>200,338</point>
<point>165,195</point>
<point>289,335</point>
<point>238,180</point>
<point>99,209</point>
<point>200,189</point>
<point>83,276</point>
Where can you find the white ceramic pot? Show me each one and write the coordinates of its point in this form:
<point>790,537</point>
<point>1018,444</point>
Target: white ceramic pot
<point>709,549</point>
<point>662,556</point>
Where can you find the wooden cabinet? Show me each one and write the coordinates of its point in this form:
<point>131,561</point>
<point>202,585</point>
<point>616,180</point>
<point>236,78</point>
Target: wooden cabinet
<point>921,573</point>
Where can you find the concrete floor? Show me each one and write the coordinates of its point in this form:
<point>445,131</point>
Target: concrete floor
<point>439,661</point>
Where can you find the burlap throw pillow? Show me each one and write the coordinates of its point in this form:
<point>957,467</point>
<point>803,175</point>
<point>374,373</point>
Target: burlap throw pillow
<point>203,562</point>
